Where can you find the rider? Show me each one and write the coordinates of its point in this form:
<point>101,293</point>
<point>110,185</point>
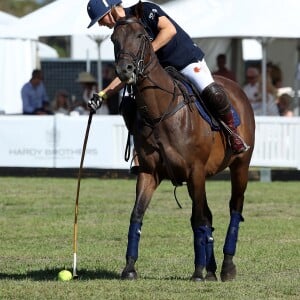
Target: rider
<point>173,47</point>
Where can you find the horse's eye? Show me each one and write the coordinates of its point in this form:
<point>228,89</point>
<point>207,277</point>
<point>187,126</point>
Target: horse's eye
<point>140,35</point>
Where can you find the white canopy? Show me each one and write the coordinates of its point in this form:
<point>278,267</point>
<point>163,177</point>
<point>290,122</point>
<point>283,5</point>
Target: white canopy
<point>6,18</point>
<point>237,18</point>
<point>18,57</point>
<point>59,18</point>
<point>260,19</point>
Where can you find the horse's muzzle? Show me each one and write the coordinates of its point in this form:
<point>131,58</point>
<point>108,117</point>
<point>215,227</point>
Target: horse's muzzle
<point>126,72</point>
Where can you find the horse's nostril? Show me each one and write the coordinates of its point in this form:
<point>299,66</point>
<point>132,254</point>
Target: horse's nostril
<point>130,67</point>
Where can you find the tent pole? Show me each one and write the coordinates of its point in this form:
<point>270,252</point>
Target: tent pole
<point>264,43</point>
<point>296,84</point>
<point>88,61</point>
<point>99,40</point>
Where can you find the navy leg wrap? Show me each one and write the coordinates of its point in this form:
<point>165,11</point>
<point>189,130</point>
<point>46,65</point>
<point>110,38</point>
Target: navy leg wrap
<point>203,247</point>
<point>211,264</point>
<point>232,233</point>
<point>134,234</point>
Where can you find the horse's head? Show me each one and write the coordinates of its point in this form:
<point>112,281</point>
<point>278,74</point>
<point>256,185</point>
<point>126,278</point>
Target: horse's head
<point>132,48</point>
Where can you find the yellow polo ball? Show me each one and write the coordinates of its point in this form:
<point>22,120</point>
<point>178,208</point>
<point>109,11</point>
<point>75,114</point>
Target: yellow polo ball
<point>64,275</point>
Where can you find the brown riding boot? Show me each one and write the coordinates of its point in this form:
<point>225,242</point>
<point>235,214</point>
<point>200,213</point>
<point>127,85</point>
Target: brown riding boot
<point>235,141</point>
<point>216,100</point>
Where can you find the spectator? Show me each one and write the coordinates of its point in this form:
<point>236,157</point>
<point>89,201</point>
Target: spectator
<point>61,103</point>
<point>34,96</point>
<point>284,103</point>
<point>275,75</point>
<point>89,85</point>
<point>222,69</point>
<point>251,88</point>
<point>271,105</point>
<point>108,75</point>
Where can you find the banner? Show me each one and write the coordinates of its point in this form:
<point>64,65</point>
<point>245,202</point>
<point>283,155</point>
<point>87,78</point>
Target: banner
<point>57,141</point>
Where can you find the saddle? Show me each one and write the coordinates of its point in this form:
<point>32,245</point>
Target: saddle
<point>189,90</point>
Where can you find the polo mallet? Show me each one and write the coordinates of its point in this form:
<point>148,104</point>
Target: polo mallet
<point>75,232</point>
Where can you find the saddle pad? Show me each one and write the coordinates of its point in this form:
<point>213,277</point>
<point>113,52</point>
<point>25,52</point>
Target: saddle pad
<point>214,125</point>
<point>208,119</point>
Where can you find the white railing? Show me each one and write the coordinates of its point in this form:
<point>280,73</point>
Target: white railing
<point>56,142</point>
<point>277,142</point>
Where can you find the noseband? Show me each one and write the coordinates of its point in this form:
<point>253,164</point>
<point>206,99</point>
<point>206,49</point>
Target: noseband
<point>139,58</point>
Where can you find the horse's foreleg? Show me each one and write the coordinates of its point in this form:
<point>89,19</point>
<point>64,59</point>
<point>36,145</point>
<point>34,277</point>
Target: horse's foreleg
<point>204,254</point>
<point>239,178</point>
<point>201,222</point>
<point>146,184</point>
<point>228,271</point>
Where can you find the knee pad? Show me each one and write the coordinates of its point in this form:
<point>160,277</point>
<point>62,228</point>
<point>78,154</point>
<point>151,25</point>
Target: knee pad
<point>216,99</point>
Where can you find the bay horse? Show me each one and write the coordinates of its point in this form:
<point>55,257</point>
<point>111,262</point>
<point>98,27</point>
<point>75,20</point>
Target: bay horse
<point>174,142</point>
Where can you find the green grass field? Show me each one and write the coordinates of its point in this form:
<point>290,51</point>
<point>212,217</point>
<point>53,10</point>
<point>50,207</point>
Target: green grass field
<point>36,229</point>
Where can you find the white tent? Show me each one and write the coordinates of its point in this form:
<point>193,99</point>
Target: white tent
<point>6,18</point>
<point>236,18</point>
<point>261,19</point>
<point>18,57</point>
<point>59,18</point>
<point>63,18</point>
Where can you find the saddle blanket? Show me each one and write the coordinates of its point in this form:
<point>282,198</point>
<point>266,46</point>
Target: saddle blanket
<point>202,111</point>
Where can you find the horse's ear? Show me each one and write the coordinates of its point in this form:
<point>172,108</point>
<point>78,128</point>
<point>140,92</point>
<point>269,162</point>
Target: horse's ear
<point>139,10</point>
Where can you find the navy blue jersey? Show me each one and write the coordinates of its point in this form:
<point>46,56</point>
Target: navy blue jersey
<point>180,51</point>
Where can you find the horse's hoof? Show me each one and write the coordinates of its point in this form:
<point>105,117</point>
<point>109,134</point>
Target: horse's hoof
<point>198,274</point>
<point>210,276</point>
<point>197,278</point>
<point>228,272</point>
<point>132,275</point>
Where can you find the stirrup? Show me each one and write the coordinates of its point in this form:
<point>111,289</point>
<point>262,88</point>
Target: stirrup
<point>237,148</point>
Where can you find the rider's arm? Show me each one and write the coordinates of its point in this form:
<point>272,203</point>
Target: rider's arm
<point>114,87</point>
<point>96,101</point>
<point>166,32</point>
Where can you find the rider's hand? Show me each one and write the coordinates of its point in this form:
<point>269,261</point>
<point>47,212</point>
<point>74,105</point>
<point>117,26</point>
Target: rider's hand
<point>96,101</point>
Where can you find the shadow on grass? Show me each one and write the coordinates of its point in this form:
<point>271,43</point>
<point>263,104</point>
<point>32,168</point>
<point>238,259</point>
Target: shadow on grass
<point>51,274</point>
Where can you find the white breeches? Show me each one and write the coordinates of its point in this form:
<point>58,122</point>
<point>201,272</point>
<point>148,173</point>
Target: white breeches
<point>199,74</point>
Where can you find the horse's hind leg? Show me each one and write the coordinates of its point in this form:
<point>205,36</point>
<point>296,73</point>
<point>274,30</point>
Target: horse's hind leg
<point>239,180</point>
<point>146,185</point>
<point>201,222</point>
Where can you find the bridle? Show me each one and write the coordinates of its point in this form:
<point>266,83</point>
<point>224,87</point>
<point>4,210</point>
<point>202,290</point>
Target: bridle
<point>138,59</point>
<point>142,71</point>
